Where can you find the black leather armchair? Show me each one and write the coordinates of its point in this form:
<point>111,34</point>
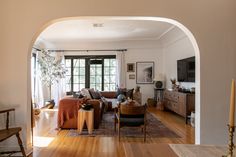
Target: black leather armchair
<point>130,115</point>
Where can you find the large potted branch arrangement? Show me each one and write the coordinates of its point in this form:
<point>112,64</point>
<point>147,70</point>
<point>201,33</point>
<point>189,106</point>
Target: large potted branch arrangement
<point>52,70</point>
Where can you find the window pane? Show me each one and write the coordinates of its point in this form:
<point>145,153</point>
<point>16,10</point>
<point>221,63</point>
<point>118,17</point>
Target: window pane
<point>68,79</point>
<point>106,62</point>
<point>112,79</point>
<point>106,71</point>
<point>106,79</point>
<point>75,87</point>
<point>82,79</point>
<point>82,71</point>
<point>76,71</point>
<point>76,79</point>
<point>98,65</point>
<point>98,79</point>
<point>98,87</point>
<point>92,85</point>
<point>68,62</point>
<point>92,71</point>
<point>112,87</point>
<point>82,86</point>
<point>92,79</point>
<point>106,87</point>
<point>76,62</point>
<point>68,89</point>
<point>112,62</point>
<point>99,71</point>
<point>113,71</point>
<point>82,63</point>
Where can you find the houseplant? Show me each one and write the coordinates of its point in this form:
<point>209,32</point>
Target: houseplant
<point>52,70</point>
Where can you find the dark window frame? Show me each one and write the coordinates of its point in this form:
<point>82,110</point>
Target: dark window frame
<point>87,68</point>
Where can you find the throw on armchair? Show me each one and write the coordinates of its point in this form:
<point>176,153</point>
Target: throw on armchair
<point>131,116</point>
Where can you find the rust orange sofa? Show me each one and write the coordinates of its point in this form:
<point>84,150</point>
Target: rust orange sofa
<point>68,112</point>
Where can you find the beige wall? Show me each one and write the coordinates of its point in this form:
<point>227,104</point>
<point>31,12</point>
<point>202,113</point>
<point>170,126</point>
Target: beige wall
<point>134,55</point>
<point>177,46</point>
<point>211,22</point>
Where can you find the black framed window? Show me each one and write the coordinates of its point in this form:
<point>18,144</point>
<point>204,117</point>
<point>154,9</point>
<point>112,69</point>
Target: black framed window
<point>98,72</point>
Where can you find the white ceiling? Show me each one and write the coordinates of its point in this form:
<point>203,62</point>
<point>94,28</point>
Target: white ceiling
<point>112,30</point>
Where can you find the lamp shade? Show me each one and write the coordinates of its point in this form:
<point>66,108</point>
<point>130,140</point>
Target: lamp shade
<point>159,77</point>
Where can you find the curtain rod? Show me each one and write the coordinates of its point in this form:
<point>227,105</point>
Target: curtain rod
<point>120,50</point>
<point>36,48</point>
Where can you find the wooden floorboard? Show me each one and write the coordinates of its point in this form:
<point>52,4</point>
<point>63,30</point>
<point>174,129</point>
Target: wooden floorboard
<point>53,143</point>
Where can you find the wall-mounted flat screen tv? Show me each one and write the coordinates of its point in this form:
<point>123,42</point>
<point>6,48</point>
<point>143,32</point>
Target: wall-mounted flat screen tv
<point>186,70</point>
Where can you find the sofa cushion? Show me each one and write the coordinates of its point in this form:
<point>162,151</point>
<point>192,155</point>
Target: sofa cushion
<point>120,91</point>
<point>112,102</point>
<point>108,94</point>
<point>85,92</point>
<point>129,93</point>
<point>94,94</point>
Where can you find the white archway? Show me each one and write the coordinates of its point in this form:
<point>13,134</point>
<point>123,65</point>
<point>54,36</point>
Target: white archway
<point>161,19</point>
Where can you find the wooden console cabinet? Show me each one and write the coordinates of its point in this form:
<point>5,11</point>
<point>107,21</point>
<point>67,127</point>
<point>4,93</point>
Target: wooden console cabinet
<point>180,103</point>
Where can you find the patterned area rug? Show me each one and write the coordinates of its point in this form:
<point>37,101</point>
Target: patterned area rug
<point>154,129</point>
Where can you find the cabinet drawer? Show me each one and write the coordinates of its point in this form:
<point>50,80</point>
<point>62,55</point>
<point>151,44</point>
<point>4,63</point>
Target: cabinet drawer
<point>175,97</point>
<point>182,109</point>
<point>175,107</point>
<point>167,104</point>
<point>182,99</point>
<point>167,95</point>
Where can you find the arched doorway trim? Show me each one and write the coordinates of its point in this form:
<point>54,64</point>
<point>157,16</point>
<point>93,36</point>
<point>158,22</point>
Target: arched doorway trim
<point>161,19</point>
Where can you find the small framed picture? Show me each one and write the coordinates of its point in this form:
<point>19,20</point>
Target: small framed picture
<point>130,67</point>
<point>131,76</point>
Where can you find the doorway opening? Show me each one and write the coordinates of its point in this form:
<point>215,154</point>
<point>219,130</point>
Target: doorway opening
<point>144,39</point>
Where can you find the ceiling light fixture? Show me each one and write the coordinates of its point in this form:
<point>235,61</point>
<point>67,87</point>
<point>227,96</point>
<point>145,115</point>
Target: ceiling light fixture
<point>98,25</point>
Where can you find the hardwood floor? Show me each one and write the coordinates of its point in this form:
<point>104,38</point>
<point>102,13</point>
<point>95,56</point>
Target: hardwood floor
<point>54,143</point>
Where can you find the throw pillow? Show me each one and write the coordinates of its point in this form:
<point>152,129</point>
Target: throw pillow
<point>94,94</point>
<point>86,93</point>
<point>120,91</point>
<point>129,93</point>
<point>121,98</point>
<point>77,95</point>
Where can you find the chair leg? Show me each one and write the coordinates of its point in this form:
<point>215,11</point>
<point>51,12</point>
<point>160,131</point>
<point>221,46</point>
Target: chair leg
<point>20,144</point>
<point>144,133</point>
<point>119,131</point>
<point>115,124</point>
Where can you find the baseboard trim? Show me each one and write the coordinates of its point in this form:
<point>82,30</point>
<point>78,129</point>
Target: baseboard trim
<point>28,150</point>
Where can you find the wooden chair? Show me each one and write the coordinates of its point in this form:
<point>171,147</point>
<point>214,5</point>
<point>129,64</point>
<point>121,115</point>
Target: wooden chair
<point>8,132</point>
<point>131,116</point>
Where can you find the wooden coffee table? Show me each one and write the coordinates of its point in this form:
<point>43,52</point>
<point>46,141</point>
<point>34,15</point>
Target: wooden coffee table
<point>85,116</point>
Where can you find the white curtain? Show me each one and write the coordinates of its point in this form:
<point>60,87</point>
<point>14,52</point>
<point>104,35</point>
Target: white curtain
<point>59,88</point>
<point>120,70</point>
<point>38,97</point>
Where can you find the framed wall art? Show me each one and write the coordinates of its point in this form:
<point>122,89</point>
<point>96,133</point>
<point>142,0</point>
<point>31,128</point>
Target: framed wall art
<point>131,76</point>
<point>130,67</point>
<point>144,72</point>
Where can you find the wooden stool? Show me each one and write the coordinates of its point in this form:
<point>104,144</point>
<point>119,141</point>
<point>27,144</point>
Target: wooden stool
<point>85,116</point>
